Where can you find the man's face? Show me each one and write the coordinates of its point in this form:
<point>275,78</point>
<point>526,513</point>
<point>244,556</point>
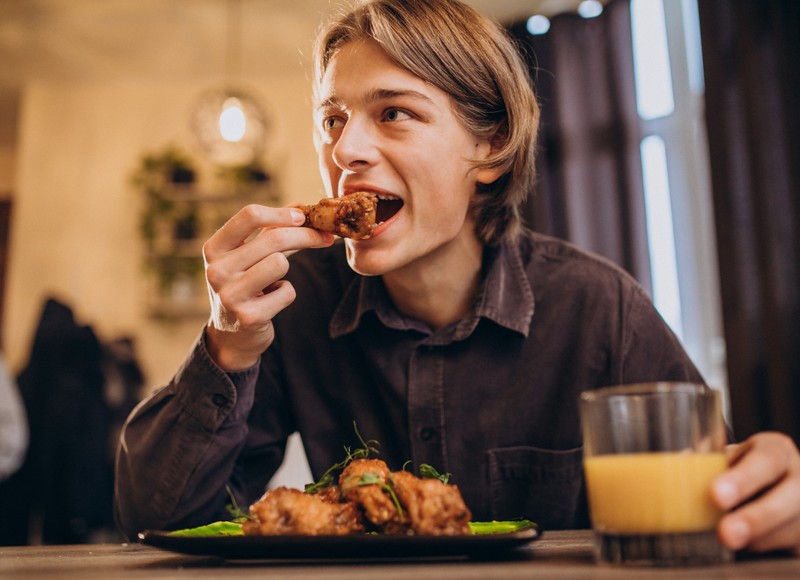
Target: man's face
<point>380,128</point>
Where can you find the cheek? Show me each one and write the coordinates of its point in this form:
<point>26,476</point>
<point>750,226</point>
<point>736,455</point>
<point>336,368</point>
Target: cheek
<point>327,169</point>
<point>451,190</point>
<point>443,215</point>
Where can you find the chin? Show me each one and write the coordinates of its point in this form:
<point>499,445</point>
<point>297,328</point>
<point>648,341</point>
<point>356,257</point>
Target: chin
<point>367,262</point>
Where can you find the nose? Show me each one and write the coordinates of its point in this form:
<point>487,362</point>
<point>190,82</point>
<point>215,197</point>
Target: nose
<point>356,146</point>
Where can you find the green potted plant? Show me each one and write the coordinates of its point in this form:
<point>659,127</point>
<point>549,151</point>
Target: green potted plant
<point>169,217</point>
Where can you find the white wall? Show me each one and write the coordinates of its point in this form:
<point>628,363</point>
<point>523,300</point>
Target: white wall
<point>74,232</point>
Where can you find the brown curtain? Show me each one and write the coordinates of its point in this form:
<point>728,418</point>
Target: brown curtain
<point>751,54</point>
<point>589,188</point>
<point>590,192</point>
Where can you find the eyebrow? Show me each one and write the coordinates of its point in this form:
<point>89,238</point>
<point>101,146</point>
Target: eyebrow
<point>377,95</point>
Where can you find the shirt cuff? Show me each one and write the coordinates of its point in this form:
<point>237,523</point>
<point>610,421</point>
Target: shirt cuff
<point>211,395</point>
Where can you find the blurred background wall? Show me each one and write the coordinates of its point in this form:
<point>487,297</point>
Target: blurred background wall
<point>75,228</point>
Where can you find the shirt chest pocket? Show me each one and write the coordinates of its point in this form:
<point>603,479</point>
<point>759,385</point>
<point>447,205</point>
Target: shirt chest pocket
<point>542,485</point>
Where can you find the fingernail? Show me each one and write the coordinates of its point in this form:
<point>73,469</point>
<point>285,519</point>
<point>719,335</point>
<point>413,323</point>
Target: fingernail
<point>737,533</point>
<point>726,493</point>
<point>298,217</point>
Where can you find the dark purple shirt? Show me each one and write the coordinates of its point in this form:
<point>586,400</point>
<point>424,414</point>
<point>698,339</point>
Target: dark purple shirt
<point>491,399</point>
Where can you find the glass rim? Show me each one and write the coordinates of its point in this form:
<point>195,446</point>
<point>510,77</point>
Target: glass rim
<point>655,388</point>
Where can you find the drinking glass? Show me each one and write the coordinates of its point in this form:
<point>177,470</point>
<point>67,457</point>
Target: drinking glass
<point>651,452</point>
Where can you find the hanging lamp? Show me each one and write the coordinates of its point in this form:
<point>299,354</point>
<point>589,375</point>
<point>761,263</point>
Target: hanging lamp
<point>228,121</point>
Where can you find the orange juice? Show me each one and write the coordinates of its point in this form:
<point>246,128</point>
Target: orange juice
<point>652,493</point>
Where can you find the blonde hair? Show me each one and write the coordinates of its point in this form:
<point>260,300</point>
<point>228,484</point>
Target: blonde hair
<point>472,59</point>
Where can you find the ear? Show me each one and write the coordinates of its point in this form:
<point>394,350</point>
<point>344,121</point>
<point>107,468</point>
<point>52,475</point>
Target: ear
<point>483,149</point>
<point>487,175</point>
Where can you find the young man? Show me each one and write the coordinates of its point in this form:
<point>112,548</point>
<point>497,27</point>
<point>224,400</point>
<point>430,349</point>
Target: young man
<point>452,335</point>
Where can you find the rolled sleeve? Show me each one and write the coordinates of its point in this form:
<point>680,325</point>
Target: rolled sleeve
<point>178,448</point>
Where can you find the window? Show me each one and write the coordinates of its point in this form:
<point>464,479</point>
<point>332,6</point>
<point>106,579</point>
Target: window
<point>680,226</point>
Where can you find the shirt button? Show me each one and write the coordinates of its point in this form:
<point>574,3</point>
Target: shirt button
<point>426,434</point>
<point>219,400</point>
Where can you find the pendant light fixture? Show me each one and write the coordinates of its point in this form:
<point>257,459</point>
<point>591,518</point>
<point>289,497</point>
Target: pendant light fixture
<point>228,121</point>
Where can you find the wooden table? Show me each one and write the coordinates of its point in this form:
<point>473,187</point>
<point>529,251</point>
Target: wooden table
<point>559,555</point>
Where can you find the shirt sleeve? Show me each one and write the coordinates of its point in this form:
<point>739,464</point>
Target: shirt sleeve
<point>652,352</point>
<point>179,451</point>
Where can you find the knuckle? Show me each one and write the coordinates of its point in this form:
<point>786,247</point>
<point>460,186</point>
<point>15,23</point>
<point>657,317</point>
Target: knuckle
<point>277,237</point>
<point>214,276</point>
<point>250,212</point>
<point>281,294</point>
<point>208,251</point>
<point>288,295</point>
<point>291,293</point>
<point>787,442</point>
<point>785,448</point>
<point>279,262</point>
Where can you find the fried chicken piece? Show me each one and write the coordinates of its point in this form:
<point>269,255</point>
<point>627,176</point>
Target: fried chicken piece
<point>331,494</point>
<point>287,511</point>
<point>372,498</point>
<point>350,216</point>
<point>433,508</point>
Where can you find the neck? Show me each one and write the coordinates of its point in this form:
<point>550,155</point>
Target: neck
<point>439,288</point>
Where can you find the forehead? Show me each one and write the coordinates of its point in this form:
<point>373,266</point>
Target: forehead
<point>362,67</point>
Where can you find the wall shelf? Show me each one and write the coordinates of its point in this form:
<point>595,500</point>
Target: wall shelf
<point>173,250</point>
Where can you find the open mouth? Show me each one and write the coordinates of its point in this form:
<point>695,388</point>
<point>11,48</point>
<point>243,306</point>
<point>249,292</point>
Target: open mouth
<point>387,208</point>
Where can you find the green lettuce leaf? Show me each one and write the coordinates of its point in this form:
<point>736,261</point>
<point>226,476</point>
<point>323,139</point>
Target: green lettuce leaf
<point>213,529</point>
<point>217,529</point>
<point>499,527</point>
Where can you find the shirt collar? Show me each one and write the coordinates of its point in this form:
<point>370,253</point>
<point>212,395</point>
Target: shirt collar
<point>504,296</point>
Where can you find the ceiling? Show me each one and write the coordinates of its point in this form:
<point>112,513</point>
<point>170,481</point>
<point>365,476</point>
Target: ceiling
<point>172,39</point>
<point>169,40</point>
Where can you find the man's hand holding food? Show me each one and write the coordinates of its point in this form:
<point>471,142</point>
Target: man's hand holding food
<point>245,265</point>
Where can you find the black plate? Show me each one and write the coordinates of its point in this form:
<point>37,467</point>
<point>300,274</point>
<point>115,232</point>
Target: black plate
<point>368,546</point>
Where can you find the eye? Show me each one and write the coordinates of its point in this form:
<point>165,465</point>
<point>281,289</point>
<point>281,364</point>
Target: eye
<point>331,123</point>
<point>394,115</point>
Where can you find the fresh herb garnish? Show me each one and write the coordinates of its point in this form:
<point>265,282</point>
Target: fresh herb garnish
<point>375,479</point>
<point>328,478</point>
<point>237,513</point>
<point>429,472</point>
